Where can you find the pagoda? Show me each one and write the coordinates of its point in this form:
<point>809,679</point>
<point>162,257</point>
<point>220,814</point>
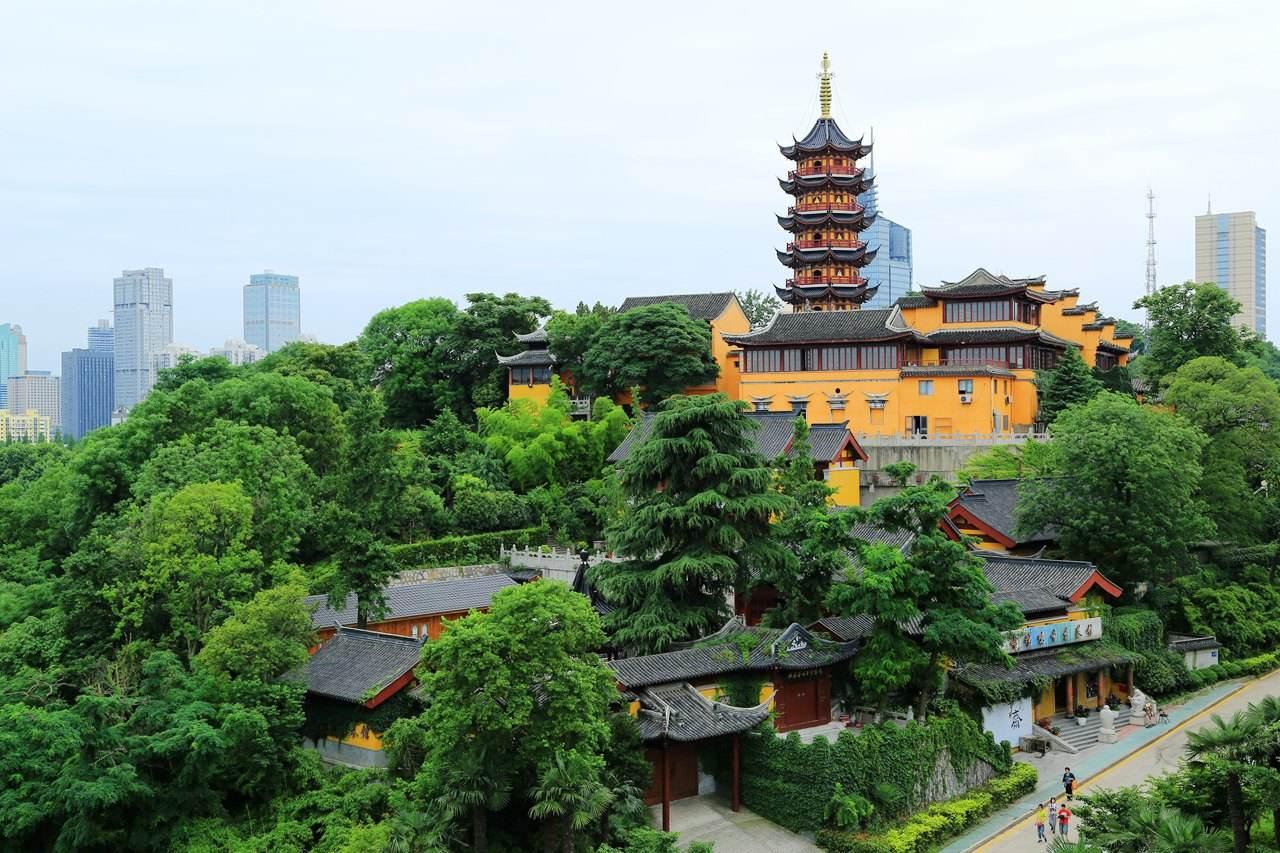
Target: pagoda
<point>825,220</point>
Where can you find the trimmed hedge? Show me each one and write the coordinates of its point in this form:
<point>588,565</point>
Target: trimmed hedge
<point>791,783</point>
<point>939,823</point>
<point>464,550</point>
<point>1247,667</point>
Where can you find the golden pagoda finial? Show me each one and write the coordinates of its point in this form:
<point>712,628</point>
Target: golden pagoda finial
<point>824,86</point>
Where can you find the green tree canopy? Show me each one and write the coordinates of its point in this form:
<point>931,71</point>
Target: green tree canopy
<point>758,306</point>
<point>1007,462</point>
<point>657,347</point>
<point>1238,408</point>
<point>1069,384</point>
<point>938,587</point>
<point>701,500</point>
<point>570,336</point>
<point>414,363</point>
<point>1123,489</point>
<point>1187,321</point>
<point>489,324</point>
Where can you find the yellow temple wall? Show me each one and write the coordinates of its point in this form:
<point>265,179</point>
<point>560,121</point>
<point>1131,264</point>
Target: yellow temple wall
<point>732,321</point>
<point>539,394</point>
<point>847,482</point>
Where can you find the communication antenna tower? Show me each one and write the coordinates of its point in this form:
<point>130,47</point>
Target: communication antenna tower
<point>1152,287</point>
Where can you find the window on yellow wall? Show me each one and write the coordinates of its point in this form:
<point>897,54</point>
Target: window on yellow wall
<point>926,388</point>
<point>965,386</point>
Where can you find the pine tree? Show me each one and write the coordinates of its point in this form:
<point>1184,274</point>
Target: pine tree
<point>700,502</point>
<point>1069,384</point>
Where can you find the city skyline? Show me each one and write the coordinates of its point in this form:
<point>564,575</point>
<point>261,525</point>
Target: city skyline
<point>987,168</point>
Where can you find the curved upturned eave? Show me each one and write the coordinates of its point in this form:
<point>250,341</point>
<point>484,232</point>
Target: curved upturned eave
<point>802,257</point>
<point>855,184</point>
<point>857,219</point>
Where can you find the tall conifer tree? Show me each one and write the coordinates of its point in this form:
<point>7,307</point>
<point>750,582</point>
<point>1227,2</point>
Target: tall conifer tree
<point>1069,384</point>
<point>701,500</point>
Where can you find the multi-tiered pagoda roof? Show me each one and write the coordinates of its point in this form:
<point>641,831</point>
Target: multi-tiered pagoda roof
<point>825,219</point>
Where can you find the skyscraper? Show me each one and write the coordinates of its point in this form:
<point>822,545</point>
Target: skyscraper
<point>36,391</point>
<point>88,383</point>
<point>13,356</point>
<point>272,310</point>
<point>1231,251</point>
<point>891,266</point>
<point>143,326</point>
<point>102,338</point>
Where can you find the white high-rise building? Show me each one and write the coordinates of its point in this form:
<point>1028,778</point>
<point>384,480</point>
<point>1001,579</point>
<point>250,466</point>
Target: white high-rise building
<point>170,355</point>
<point>272,310</point>
<point>36,391</point>
<point>237,352</point>
<point>1231,251</point>
<point>143,327</point>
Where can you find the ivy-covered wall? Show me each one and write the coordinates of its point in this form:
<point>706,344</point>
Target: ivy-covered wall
<point>898,768</point>
<point>463,550</point>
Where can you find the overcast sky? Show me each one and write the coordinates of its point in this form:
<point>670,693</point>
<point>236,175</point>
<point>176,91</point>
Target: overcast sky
<point>386,151</point>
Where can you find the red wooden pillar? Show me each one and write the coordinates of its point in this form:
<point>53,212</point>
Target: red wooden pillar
<point>1130,681</point>
<point>1071,693</point>
<point>735,801</point>
<point>666,787</point>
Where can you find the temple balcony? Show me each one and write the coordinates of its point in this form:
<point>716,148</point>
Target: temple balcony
<point>825,244</point>
<point>834,170</point>
<point>850,206</point>
<point>825,279</point>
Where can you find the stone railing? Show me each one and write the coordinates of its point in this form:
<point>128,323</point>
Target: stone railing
<point>447,573</point>
<point>558,563</point>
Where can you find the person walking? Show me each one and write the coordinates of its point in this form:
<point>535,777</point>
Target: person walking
<point>1069,783</point>
<point>1053,815</point>
<point>1041,816</point>
<point>1064,816</point>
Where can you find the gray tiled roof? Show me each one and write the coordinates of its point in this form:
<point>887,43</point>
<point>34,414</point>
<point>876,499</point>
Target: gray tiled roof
<point>721,654</point>
<point>1050,663</point>
<point>772,436</point>
<point>915,300</point>
<point>980,282</point>
<point>1031,601</point>
<point>996,335</point>
<point>1059,577</point>
<point>1099,323</point>
<point>1184,643</point>
<point>825,133</point>
<point>527,358</point>
<point>427,598</point>
<point>701,306</point>
<point>537,336</point>
<point>859,627</point>
<point>354,664</point>
<point>681,713</point>
<point>993,502</point>
<point>866,324</point>
<point>1080,309</point>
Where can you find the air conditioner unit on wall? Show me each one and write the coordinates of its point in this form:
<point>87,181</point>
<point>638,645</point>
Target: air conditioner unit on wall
<point>966,398</point>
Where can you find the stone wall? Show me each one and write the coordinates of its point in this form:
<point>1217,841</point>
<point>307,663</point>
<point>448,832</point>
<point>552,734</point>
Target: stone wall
<point>940,455</point>
<point>447,573</point>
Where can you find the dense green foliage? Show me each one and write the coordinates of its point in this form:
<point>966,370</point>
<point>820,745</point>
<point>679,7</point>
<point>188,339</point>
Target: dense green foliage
<point>466,550</point>
<point>1188,321</point>
<point>1118,467</point>
<point>1070,383</point>
<point>791,783</point>
<point>1007,462</point>
<point>519,732</point>
<point>659,348</point>
<point>821,540</point>
<point>939,823</point>
<point>1237,408</point>
<point>758,306</point>
<point>700,503</point>
<point>931,605</point>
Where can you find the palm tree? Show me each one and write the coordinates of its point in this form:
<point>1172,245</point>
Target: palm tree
<point>570,796</point>
<point>1265,714</point>
<point>472,787</point>
<point>1229,741</point>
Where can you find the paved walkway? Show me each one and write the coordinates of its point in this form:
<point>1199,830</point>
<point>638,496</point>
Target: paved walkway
<point>1141,753</point>
<point>710,819</point>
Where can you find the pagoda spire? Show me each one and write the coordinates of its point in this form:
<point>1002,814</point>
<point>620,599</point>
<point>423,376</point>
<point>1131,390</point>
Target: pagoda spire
<point>824,86</point>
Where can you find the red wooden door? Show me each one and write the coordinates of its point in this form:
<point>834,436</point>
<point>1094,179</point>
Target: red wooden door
<point>805,701</point>
<point>684,772</point>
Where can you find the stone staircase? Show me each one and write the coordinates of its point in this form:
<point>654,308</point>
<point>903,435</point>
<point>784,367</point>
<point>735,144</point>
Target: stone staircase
<point>1083,737</point>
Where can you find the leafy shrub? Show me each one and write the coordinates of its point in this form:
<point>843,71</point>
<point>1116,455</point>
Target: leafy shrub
<point>1138,630</point>
<point>938,823</point>
<point>848,811</point>
<point>1160,673</point>
<point>791,783</point>
<point>463,550</point>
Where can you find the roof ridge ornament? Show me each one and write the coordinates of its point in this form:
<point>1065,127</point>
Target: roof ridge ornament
<point>824,86</point>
